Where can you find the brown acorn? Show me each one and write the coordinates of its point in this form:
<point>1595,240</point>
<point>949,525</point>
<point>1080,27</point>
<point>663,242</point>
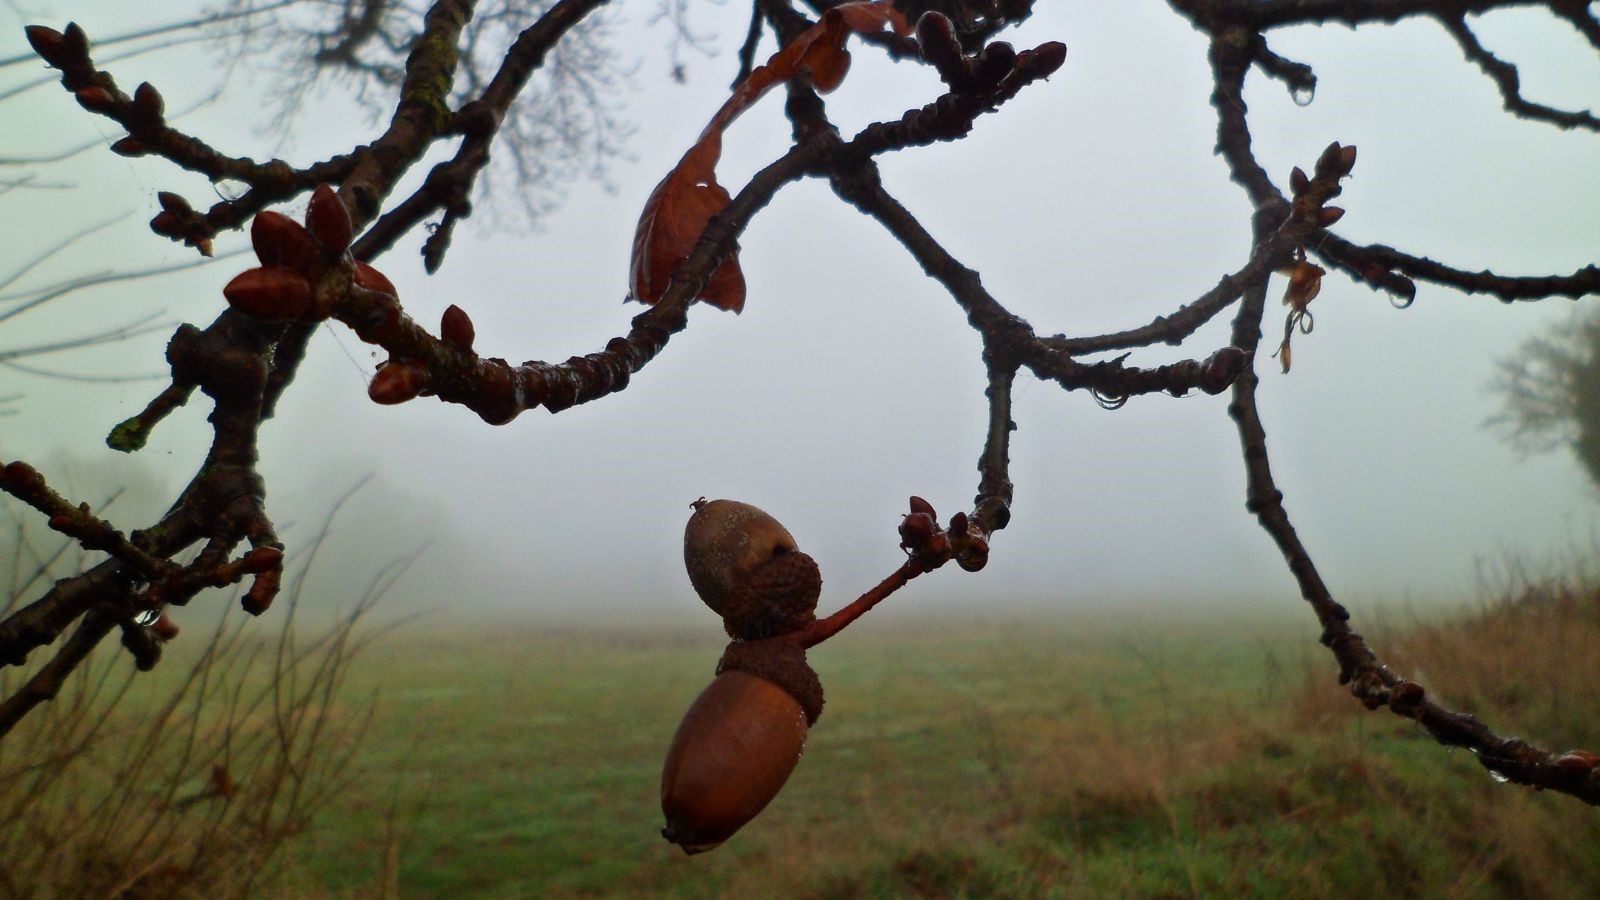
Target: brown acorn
<point>738,743</point>
<point>743,735</point>
<point>748,569</point>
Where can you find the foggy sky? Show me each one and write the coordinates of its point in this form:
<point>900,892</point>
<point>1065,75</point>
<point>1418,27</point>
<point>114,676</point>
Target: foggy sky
<point>1090,203</point>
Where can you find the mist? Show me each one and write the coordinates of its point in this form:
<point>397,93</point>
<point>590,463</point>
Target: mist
<point>851,381</point>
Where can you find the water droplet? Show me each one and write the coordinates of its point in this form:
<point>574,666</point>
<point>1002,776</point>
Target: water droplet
<point>230,189</point>
<point>1500,777</point>
<point>1303,95</point>
<point>146,617</point>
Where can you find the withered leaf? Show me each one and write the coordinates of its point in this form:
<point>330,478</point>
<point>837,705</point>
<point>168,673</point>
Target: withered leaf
<point>684,202</point>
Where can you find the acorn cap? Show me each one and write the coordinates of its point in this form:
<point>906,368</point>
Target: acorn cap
<point>777,597</point>
<point>781,662</point>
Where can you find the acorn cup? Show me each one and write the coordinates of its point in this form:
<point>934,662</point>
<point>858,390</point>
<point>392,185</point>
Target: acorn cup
<point>744,734</point>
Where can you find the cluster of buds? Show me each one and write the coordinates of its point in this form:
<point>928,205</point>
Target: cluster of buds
<point>922,539</point>
<point>398,380</point>
<point>63,50</point>
<point>143,114</point>
<point>308,274</point>
<point>181,222</point>
<point>1311,194</point>
<point>295,257</point>
<point>998,68</point>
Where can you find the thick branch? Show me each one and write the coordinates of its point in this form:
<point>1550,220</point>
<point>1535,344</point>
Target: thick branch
<point>499,392</point>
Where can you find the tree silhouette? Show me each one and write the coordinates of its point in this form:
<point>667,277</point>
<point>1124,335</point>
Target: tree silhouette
<point>1550,391</point>
<point>455,83</point>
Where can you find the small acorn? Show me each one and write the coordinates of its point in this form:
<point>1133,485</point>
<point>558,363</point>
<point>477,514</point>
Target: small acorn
<point>744,734</point>
<point>749,570</point>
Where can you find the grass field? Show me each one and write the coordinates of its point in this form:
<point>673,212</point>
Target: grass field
<point>1035,758</point>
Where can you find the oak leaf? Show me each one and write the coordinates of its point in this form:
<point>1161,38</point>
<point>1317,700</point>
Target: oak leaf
<point>683,204</point>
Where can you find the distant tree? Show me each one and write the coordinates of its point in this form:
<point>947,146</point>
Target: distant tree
<point>1550,392</point>
<point>452,77</point>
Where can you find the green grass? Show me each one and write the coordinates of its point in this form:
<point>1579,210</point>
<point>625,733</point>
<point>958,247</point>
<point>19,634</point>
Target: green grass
<point>1033,759</point>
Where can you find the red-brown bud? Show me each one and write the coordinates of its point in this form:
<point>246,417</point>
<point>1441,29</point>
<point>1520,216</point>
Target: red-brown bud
<point>958,524</point>
<point>281,241</point>
<point>50,44</point>
<point>130,147</point>
<point>147,101</point>
<point>60,522</point>
<point>1298,180</point>
<point>74,41</point>
<point>1328,215</point>
<point>167,224</point>
<point>397,381</point>
<point>272,293</point>
<point>936,38</point>
<point>915,530</point>
<point>919,505</point>
<point>373,280</point>
<point>263,559</point>
<point>173,203</point>
<point>96,99</point>
<point>328,220</point>
<point>1043,60</point>
<point>1336,161</point>
<point>1578,762</point>
<point>456,328</point>
<point>19,476</point>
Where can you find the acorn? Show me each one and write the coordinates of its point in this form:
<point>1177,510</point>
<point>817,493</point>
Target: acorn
<point>744,734</point>
<point>738,743</point>
<point>749,570</point>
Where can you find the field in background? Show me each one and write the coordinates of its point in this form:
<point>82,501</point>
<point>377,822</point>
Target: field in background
<point>1026,759</point>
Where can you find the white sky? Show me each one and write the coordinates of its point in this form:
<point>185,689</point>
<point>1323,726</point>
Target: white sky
<point>1092,202</point>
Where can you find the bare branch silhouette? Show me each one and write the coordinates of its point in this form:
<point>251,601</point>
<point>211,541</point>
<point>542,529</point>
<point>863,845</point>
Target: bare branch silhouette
<point>531,84</point>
